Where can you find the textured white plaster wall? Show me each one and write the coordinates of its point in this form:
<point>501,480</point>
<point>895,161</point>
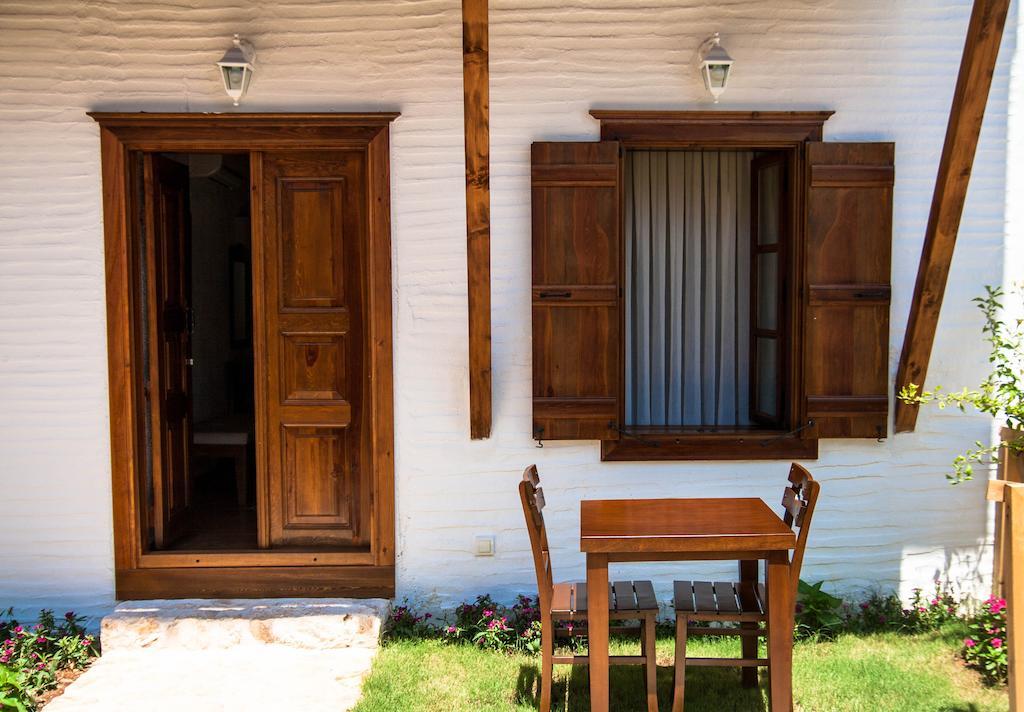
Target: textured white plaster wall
<point>886,517</point>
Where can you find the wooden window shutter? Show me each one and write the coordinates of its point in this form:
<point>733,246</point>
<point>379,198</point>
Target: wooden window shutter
<point>847,289</point>
<point>577,254</point>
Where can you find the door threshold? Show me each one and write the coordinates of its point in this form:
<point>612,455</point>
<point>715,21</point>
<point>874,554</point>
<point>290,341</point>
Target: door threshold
<point>254,557</point>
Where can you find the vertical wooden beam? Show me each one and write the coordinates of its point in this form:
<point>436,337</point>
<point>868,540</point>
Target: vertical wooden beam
<point>981,49</point>
<point>476,103</point>
<point>1011,495</point>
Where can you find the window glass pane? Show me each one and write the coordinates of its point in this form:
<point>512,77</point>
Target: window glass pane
<point>767,361</point>
<point>769,200</point>
<point>768,290</point>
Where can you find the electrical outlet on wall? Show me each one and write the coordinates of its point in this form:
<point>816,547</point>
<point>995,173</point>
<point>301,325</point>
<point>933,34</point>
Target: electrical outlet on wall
<point>484,545</point>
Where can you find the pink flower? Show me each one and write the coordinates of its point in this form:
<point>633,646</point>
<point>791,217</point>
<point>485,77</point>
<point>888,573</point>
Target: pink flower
<point>997,642</point>
<point>968,643</point>
<point>921,609</point>
<point>935,601</point>
<point>488,613</point>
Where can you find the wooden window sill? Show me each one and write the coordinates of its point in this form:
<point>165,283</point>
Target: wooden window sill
<point>735,444</point>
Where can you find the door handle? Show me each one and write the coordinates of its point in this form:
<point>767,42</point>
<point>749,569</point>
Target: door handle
<point>190,362</point>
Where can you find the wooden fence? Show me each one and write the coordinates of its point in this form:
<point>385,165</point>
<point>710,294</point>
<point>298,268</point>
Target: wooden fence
<point>1008,565</point>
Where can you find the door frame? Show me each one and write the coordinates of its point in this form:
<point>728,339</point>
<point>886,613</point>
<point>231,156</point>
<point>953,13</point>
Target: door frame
<point>141,574</point>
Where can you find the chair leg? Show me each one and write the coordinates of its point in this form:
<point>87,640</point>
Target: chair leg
<point>650,652</point>
<point>749,651</point>
<point>679,684</point>
<point>547,652</point>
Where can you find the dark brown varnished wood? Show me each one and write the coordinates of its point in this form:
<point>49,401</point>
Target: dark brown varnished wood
<point>686,444</point>
<point>846,303</point>
<point>257,582</point>
<point>476,109</point>
<point>710,129</point>
<point>615,526</point>
<point>748,603</point>
<point>577,253</point>
<point>620,601</point>
<point>977,66</point>
<point>367,134</point>
<point>314,245</point>
<point>165,207</point>
<point>676,530</point>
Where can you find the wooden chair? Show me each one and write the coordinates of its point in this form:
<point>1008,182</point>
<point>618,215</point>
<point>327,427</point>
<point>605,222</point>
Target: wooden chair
<point>742,602</point>
<point>627,601</point>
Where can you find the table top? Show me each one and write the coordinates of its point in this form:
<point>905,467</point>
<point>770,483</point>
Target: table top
<point>681,525</point>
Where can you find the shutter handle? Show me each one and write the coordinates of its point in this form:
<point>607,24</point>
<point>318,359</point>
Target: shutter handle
<point>871,294</point>
<point>555,295</point>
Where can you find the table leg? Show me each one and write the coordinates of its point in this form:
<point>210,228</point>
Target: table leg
<point>748,574</point>
<point>780,631</point>
<point>597,630</point>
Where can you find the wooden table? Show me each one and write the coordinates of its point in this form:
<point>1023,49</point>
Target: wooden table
<point>628,530</point>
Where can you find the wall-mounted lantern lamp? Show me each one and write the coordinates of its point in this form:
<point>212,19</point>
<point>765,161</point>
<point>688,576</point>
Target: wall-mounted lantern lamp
<point>715,65</point>
<point>237,67</point>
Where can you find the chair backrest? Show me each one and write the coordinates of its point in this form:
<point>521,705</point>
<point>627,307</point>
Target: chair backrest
<point>532,497</point>
<point>798,500</point>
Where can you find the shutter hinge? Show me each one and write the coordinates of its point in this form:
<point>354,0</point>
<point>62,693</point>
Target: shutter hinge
<point>538,431</point>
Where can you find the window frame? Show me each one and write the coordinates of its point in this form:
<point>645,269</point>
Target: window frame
<point>785,131</point>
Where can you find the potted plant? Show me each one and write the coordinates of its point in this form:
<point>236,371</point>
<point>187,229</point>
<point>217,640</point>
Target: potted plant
<point>1000,395</point>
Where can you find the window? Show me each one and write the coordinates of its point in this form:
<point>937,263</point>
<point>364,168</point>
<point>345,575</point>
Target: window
<point>710,286</point>
<point>703,232</point>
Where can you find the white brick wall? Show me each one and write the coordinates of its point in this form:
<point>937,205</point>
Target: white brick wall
<point>886,518</point>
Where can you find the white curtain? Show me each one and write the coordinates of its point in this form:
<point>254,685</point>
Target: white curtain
<point>687,287</point>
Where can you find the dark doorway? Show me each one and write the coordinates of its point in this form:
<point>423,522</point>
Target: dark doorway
<point>198,280</point>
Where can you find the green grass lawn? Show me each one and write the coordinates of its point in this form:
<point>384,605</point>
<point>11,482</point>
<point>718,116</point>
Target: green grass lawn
<point>871,673</point>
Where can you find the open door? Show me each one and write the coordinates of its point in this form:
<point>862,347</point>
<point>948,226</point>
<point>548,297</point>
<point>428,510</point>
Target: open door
<point>168,390</point>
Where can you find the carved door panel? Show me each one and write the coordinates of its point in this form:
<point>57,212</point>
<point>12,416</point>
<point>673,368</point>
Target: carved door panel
<point>313,247</point>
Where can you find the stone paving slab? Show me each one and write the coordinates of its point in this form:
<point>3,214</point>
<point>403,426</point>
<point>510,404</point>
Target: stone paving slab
<point>269,678</point>
<point>230,655</point>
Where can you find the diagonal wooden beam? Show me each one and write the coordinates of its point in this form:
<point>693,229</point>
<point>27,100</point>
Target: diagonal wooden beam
<point>981,49</point>
<point>476,105</point>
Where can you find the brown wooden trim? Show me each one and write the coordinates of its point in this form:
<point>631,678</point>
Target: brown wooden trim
<point>711,129</point>
<point>981,50</point>
<point>734,445</point>
<point>380,335</point>
<point>233,559</point>
<point>120,134</point>
<point>260,341</point>
<point>257,582</point>
<point>476,106</point>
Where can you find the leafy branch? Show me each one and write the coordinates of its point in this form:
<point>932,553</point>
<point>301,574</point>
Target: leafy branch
<point>1000,395</point>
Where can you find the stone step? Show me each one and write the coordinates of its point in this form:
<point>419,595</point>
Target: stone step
<point>199,624</point>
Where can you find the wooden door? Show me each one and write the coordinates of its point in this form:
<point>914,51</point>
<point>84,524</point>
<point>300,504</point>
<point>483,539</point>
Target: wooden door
<point>315,391</point>
<point>169,391</point>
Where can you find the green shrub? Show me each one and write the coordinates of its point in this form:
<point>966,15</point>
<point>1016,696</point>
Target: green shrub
<point>405,623</point>
<point>817,612</point>
<point>490,625</point>
<point>984,649</point>
<point>30,657</point>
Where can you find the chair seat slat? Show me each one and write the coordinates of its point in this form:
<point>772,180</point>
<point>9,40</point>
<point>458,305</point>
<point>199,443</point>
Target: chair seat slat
<point>645,598</point>
<point>725,596</point>
<point>704,596</point>
<point>624,598</point>
<point>683,594</point>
